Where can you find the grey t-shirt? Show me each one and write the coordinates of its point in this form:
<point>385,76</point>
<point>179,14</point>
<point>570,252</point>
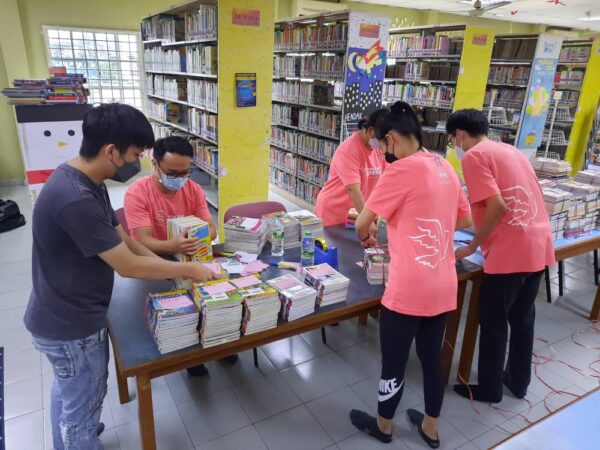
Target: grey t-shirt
<point>73,221</point>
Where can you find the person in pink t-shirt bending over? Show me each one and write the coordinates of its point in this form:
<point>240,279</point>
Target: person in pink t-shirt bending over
<point>420,196</point>
<point>168,192</point>
<point>354,172</point>
<point>513,230</point>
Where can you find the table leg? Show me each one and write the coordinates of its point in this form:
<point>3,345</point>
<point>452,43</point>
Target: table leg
<point>452,331</point>
<point>323,336</point>
<point>561,270</point>
<point>363,318</point>
<point>122,386</point>
<point>596,267</point>
<point>595,314</point>
<point>146,412</point>
<point>470,335</point>
<point>548,286</point>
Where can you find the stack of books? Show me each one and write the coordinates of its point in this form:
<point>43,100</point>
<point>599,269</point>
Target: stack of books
<point>297,299</point>
<point>551,167</point>
<point>331,286</point>
<point>589,177</point>
<point>245,234</point>
<point>26,92</point>
<point>172,319</point>
<point>215,267</point>
<point>376,262</point>
<point>60,88</point>
<point>192,227</point>
<point>351,218</point>
<point>308,222</point>
<point>291,229</point>
<point>261,304</point>
<point>220,306</point>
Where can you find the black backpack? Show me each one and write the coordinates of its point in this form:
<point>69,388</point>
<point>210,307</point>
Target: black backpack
<point>10,216</point>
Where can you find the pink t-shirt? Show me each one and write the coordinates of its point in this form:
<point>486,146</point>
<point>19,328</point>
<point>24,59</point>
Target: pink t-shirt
<point>353,163</point>
<point>146,206</point>
<point>522,241</point>
<point>421,198</point>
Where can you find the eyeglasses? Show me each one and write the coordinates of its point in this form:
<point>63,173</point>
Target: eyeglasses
<point>173,175</point>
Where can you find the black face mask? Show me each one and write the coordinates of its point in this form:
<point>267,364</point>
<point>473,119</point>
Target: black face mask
<point>126,171</point>
<point>390,157</point>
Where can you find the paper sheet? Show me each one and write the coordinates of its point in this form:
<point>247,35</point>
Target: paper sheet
<point>246,281</point>
<point>182,301</point>
<point>218,288</point>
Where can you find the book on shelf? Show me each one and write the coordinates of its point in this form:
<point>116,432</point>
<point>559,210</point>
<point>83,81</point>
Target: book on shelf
<point>203,123</point>
<point>331,286</point>
<point>205,155</point>
<point>201,23</point>
<point>297,299</point>
<point>220,305</point>
<point>245,234</point>
<point>282,179</point>
<point>261,304</point>
<point>328,67</point>
<point>426,95</point>
<point>320,37</point>
<point>320,122</point>
<point>285,138</point>
<point>312,171</point>
<point>509,75</point>
<point>575,54</point>
<point>191,227</point>
<point>201,59</point>
<point>283,160</point>
<point>514,48</point>
<point>437,44</point>
<point>307,191</point>
<point>172,320</point>
<point>203,93</point>
<point>316,147</point>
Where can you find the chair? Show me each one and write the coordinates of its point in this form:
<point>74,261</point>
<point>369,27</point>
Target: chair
<point>120,213</point>
<point>254,210</point>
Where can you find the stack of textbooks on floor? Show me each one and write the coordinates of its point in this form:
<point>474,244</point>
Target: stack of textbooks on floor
<point>245,234</point>
<point>220,306</point>
<point>191,227</point>
<point>331,286</point>
<point>172,319</point>
<point>308,222</point>
<point>351,218</point>
<point>376,262</point>
<point>291,229</point>
<point>297,299</point>
<point>261,304</point>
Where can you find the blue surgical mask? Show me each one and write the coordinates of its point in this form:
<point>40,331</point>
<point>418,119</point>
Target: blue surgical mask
<point>373,143</point>
<point>460,153</point>
<point>173,184</point>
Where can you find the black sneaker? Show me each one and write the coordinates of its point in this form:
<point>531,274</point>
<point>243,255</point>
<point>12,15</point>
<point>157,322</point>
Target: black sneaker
<point>100,429</point>
<point>415,418</point>
<point>197,371</point>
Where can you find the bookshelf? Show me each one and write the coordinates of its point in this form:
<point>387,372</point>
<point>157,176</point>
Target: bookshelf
<point>436,70</point>
<point>192,53</point>
<point>320,90</point>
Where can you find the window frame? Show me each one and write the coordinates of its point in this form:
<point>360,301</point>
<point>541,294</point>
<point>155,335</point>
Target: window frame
<point>137,86</point>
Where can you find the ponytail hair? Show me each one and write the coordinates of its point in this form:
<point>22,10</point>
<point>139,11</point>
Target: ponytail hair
<point>402,119</point>
<point>368,121</point>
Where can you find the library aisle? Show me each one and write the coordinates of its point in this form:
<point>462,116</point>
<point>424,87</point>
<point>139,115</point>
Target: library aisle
<point>300,396</point>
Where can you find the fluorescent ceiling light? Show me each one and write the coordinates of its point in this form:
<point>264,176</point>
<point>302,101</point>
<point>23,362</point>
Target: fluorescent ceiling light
<point>589,18</point>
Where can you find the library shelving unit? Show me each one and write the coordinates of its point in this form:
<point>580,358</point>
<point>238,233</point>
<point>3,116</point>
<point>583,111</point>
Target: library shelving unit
<point>328,71</point>
<point>437,70</point>
<point>593,147</point>
<point>192,55</point>
<point>508,78</point>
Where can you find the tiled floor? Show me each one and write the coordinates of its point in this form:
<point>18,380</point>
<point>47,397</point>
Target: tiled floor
<point>300,396</point>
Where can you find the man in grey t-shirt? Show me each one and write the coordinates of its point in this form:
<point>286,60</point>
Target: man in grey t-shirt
<point>77,245</point>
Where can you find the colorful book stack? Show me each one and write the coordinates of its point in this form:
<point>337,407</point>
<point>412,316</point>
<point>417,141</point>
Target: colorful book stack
<point>220,306</point>
<point>308,222</point>
<point>60,88</point>
<point>291,229</point>
<point>192,227</point>
<point>297,299</point>
<point>331,286</point>
<point>351,218</point>
<point>245,234</point>
<point>261,304</point>
<point>172,319</point>
<point>376,262</point>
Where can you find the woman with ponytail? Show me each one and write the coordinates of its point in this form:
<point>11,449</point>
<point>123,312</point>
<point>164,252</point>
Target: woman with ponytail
<point>420,196</point>
<point>354,172</point>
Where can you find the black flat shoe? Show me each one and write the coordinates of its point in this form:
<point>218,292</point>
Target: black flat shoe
<point>99,429</point>
<point>197,371</point>
<point>368,424</point>
<point>415,418</point>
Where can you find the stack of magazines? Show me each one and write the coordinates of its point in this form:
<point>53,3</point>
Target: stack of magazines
<point>245,234</point>
<point>191,227</point>
<point>215,267</point>
<point>376,262</point>
<point>261,304</point>
<point>297,299</point>
<point>291,229</point>
<point>308,222</point>
<point>331,286</point>
<point>220,306</point>
<point>172,319</point>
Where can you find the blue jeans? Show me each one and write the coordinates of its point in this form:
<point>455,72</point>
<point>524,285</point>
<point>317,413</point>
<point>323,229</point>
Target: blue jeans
<point>80,376</point>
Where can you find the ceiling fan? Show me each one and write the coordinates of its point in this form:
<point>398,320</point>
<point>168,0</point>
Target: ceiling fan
<point>479,10</point>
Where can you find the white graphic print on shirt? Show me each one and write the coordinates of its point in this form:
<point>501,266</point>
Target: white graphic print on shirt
<point>433,242</point>
<point>521,208</point>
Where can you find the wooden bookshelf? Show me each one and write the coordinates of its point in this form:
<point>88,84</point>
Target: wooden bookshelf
<point>424,70</point>
<point>310,115</point>
<point>192,53</point>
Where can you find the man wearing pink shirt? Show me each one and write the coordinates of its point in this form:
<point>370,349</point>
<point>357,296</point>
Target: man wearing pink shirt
<point>513,230</point>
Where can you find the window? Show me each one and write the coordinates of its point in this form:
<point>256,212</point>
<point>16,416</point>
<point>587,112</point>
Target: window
<point>109,59</point>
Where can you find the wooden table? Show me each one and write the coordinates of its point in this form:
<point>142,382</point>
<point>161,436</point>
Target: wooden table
<point>136,354</point>
<point>574,426</point>
<point>565,248</point>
